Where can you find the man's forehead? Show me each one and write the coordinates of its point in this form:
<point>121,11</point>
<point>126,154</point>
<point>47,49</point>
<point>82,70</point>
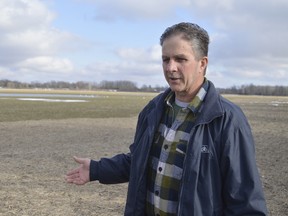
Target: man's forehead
<point>177,50</point>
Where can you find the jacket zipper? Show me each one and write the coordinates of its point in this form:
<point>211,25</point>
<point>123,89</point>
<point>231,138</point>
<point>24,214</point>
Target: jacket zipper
<point>184,165</point>
<point>184,175</point>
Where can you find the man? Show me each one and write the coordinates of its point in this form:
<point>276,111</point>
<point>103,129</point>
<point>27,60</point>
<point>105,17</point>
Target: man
<point>193,151</point>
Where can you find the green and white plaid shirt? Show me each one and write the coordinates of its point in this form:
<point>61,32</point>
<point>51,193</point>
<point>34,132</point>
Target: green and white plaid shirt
<point>167,154</point>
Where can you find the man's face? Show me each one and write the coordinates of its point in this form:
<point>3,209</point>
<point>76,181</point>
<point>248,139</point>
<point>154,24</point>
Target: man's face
<point>182,71</point>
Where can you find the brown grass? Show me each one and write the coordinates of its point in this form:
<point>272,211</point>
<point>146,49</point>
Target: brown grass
<point>35,155</point>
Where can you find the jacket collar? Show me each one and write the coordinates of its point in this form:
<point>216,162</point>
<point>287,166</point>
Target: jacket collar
<point>211,106</point>
<point>195,104</point>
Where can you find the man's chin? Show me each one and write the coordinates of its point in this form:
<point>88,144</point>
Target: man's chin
<point>175,88</point>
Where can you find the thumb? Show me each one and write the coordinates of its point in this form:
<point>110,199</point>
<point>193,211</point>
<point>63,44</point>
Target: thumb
<point>79,160</point>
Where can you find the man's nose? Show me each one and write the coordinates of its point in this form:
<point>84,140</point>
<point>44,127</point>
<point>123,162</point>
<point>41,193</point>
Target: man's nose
<point>171,66</point>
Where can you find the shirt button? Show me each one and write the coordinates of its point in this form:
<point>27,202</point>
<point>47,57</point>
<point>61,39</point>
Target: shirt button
<point>160,169</point>
<point>165,147</point>
<point>157,193</point>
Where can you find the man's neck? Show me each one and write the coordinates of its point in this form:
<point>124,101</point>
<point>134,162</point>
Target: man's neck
<point>189,95</point>
<point>186,97</point>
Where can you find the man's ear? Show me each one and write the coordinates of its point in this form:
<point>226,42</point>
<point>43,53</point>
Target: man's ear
<point>203,64</point>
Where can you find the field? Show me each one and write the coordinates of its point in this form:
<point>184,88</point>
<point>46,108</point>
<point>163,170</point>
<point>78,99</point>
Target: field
<point>38,139</point>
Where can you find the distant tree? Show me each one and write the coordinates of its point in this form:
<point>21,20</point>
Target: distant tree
<point>121,85</point>
<point>256,90</point>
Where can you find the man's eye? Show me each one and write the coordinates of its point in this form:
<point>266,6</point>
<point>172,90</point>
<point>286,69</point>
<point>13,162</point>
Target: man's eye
<point>181,59</point>
<point>165,60</point>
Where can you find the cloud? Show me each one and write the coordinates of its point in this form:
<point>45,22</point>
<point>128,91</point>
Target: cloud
<point>6,72</point>
<point>46,64</point>
<point>17,46</point>
<point>140,73</point>
<point>248,37</point>
<point>152,54</point>
<point>16,15</point>
<point>29,44</point>
<point>248,41</point>
<point>137,65</point>
<point>110,10</point>
<point>40,68</point>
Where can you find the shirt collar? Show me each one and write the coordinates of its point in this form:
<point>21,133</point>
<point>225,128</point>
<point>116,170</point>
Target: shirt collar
<point>195,104</point>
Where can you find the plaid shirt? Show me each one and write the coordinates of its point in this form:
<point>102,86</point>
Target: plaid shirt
<point>167,154</point>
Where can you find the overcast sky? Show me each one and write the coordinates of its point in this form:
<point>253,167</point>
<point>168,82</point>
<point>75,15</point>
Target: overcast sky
<point>95,40</point>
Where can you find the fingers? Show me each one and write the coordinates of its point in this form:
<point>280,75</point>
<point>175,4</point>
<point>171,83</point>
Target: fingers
<point>71,175</point>
<point>71,178</point>
<point>74,171</point>
<point>78,160</point>
<point>74,178</point>
<point>77,181</point>
<point>78,176</point>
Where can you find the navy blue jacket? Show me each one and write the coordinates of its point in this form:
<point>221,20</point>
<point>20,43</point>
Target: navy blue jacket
<point>220,176</point>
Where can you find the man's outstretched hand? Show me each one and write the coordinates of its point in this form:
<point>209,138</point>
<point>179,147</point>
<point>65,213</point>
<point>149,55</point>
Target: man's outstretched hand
<point>80,175</point>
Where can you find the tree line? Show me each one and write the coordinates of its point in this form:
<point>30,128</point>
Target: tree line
<point>256,90</point>
<point>124,85</point>
<point>121,85</point>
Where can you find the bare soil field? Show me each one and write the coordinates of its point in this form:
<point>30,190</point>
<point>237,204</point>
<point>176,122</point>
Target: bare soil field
<point>35,155</point>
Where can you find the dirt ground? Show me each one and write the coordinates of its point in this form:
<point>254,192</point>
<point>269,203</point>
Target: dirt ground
<point>35,155</point>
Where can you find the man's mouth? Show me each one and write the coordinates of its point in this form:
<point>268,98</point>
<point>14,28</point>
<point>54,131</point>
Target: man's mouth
<point>174,78</point>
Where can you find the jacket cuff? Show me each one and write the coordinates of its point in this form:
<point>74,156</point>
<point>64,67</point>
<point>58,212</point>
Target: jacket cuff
<point>94,170</point>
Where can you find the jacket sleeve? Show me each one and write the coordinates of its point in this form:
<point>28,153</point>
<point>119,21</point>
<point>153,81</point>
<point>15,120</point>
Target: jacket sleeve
<point>111,170</point>
<point>242,188</point>
<point>117,169</point>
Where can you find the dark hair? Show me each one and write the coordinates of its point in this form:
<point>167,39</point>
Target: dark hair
<point>190,32</point>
